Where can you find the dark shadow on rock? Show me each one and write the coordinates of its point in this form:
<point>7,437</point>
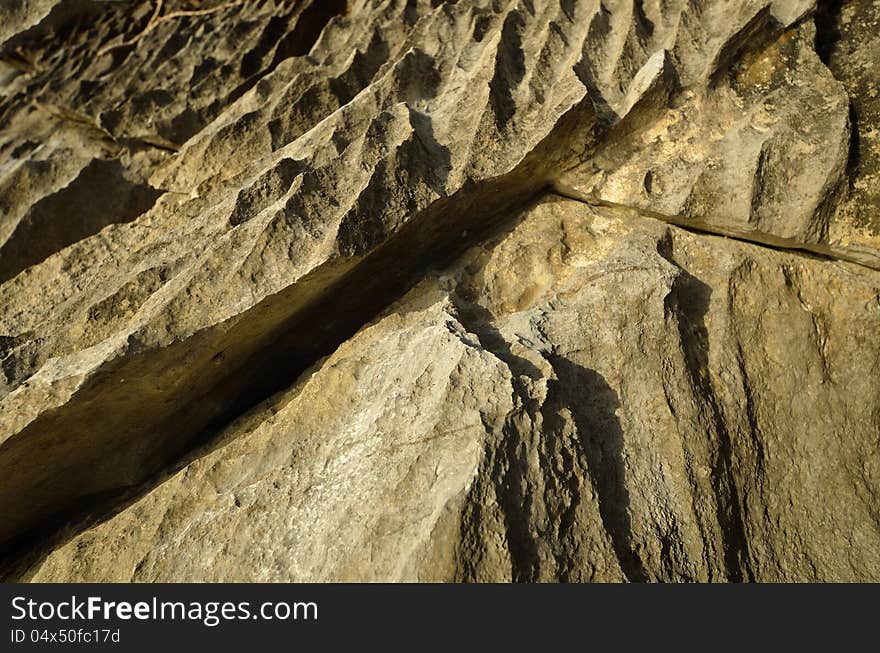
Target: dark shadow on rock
<point>478,321</point>
<point>298,41</point>
<point>593,404</point>
<point>364,66</point>
<point>510,70</point>
<point>585,69</point>
<point>416,77</point>
<point>377,212</point>
<point>309,26</point>
<point>854,157</point>
<point>431,161</point>
<point>688,304</point>
<point>101,195</point>
<point>508,460</point>
<point>827,28</point>
<point>644,26</point>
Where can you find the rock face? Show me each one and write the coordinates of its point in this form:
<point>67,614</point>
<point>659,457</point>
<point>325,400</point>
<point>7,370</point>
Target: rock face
<point>388,290</point>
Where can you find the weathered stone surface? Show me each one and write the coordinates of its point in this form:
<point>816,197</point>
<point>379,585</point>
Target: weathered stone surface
<point>585,397</point>
<point>206,205</point>
<point>20,15</point>
<point>852,47</point>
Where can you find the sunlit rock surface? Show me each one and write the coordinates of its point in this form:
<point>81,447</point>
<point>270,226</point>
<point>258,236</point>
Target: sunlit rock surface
<point>287,291</point>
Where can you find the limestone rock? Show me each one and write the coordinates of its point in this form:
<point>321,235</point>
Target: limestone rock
<point>21,15</point>
<point>851,47</point>
<point>576,399</point>
<point>286,292</point>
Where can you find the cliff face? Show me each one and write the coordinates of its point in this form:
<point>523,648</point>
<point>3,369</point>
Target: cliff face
<point>389,290</point>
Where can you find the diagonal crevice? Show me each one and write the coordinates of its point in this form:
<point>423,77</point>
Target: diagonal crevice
<point>863,257</point>
<point>166,411</point>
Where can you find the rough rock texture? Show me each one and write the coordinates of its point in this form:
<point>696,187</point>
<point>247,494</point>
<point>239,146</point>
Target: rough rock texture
<point>288,291</point>
<point>852,49</point>
<point>20,15</point>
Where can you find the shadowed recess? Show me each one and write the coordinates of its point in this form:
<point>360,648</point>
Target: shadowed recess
<point>100,195</point>
<point>593,404</point>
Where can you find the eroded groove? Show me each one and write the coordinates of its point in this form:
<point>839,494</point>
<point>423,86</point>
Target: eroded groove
<point>307,28</point>
<point>284,37</point>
